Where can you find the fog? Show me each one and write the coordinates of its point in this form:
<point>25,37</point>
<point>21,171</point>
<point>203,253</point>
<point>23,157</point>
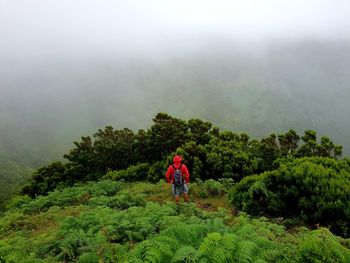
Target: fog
<point>68,68</point>
<point>42,29</point>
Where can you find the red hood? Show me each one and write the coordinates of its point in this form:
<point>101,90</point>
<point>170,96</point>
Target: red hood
<point>177,161</point>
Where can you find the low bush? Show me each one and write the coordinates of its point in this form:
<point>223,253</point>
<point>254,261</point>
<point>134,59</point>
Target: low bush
<point>209,188</point>
<point>133,173</point>
<point>66,197</point>
<point>314,190</point>
<point>119,202</point>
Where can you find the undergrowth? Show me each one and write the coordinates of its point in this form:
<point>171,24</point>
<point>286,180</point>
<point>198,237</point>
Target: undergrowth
<point>116,222</point>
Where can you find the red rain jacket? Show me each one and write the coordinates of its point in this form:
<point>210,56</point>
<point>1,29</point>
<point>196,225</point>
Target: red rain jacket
<point>169,176</point>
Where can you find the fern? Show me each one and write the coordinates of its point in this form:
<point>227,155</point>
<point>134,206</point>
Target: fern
<point>187,254</point>
<point>186,234</point>
<point>247,231</point>
<point>153,250</point>
<point>246,252</point>
<point>260,261</point>
<point>322,245</point>
<point>88,258</point>
<point>150,232</point>
<point>154,255</point>
<point>218,247</point>
<point>217,225</point>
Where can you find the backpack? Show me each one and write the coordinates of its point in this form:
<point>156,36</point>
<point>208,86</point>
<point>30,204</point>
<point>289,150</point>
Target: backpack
<point>178,179</point>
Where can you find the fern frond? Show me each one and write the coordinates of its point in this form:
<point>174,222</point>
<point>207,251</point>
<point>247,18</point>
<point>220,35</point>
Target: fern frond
<point>159,249</point>
<point>186,234</point>
<point>218,247</point>
<point>217,225</point>
<point>221,255</point>
<point>264,243</point>
<point>274,255</point>
<point>153,255</point>
<point>320,243</point>
<point>247,231</point>
<point>246,252</point>
<point>187,254</point>
<point>210,243</point>
<point>146,252</point>
<point>173,244</point>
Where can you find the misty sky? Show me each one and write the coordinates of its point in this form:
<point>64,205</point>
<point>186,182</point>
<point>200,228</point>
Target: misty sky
<point>45,28</point>
<point>69,67</point>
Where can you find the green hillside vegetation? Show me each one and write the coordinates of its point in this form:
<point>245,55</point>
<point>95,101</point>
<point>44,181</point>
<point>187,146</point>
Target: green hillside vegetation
<point>12,178</point>
<point>283,198</point>
<point>208,152</point>
<point>110,221</point>
<point>308,190</point>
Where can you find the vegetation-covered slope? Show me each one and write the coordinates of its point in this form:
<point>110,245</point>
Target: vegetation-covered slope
<point>93,207</point>
<point>12,177</point>
<point>115,222</point>
<point>309,190</point>
<point>208,152</point>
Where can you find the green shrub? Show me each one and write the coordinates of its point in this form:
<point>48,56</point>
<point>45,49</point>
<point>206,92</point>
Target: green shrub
<point>121,201</point>
<point>314,190</point>
<point>89,258</point>
<point>227,183</point>
<point>104,187</point>
<point>197,189</point>
<point>209,188</point>
<point>18,201</point>
<point>11,221</point>
<point>133,173</point>
<point>214,188</point>
<point>156,172</point>
<point>66,197</point>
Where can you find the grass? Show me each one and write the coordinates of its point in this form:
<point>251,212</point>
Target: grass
<point>161,193</point>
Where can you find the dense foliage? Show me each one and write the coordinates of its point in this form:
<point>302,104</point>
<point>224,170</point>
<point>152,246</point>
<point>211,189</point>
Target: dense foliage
<point>99,205</point>
<point>12,178</point>
<point>312,190</point>
<point>96,223</point>
<point>209,153</point>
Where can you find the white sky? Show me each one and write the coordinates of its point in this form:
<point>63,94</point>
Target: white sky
<point>42,27</point>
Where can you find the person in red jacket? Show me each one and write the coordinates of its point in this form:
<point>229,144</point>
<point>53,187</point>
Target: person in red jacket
<point>179,176</point>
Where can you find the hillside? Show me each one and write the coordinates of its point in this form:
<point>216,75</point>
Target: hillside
<point>259,88</point>
<point>12,177</point>
<point>175,131</point>
<point>122,222</point>
<point>283,198</point>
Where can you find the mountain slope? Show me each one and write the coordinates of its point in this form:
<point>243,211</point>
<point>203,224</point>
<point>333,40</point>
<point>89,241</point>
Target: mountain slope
<point>12,176</point>
<point>110,221</point>
<point>260,89</point>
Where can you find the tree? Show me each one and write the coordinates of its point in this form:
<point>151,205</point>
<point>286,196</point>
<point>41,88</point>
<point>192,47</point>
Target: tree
<point>309,148</point>
<point>83,153</point>
<point>114,149</point>
<point>165,135</point>
<point>45,179</point>
<point>289,142</point>
<point>269,151</point>
<point>326,148</point>
<point>199,131</point>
